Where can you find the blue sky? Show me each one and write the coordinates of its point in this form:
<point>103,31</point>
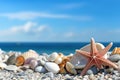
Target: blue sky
<point>59,20</point>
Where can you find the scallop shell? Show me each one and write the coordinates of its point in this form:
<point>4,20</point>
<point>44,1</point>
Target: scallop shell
<point>80,61</point>
<point>11,60</point>
<point>29,54</point>
<point>116,50</point>
<point>70,68</point>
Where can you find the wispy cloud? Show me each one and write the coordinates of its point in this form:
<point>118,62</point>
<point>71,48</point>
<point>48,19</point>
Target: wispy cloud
<point>34,15</point>
<point>71,5</point>
<point>29,27</point>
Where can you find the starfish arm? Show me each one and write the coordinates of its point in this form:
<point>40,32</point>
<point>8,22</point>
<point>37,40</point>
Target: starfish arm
<point>93,47</point>
<point>98,63</point>
<point>84,53</point>
<point>89,64</point>
<point>107,62</point>
<point>105,50</point>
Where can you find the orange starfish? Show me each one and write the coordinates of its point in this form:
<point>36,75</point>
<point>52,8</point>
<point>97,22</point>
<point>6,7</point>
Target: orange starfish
<point>96,58</point>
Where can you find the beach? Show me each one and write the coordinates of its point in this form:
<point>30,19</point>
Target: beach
<point>29,73</point>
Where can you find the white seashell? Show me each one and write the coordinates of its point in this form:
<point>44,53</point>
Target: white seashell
<point>2,65</point>
<point>11,68</point>
<point>5,58</point>
<point>70,68</point>
<point>53,56</point>
<point>40,69</point>
<point>80,61</point>
<point>58,61</point>
<point>52,67</point>
<point>33,64</point>
<point>42,62</point>
<point>30,54</point>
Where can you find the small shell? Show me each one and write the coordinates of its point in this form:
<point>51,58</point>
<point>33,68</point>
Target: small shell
<point>33,64</point>
<point>53,56</point>
<point>29,54</point>
<point>40,69</point>
<point>116,50</point>
<point>58,60</point>
<point>114,58</point>
<point>20,60</point>
<point>52,67</point>
<point>11,68</point>
<point>11,60</point>
<point>2,65</point>
<point>70,68</point>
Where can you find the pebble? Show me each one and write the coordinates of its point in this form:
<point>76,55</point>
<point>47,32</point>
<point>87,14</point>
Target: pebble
<point>50,74</point>
<point>40,69</point>
<point>114,58</point>
<point>92,77</point>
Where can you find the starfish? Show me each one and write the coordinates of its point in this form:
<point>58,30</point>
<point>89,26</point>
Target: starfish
<point>96,57</point>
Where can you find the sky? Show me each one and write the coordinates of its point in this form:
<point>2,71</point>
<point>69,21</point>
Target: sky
<point>59,20</point>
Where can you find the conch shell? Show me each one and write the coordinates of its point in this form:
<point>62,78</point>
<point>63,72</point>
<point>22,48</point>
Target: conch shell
<point>116,50</point>
<point>21,59</point>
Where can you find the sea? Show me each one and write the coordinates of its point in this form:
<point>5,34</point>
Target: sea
<point>48,47</point>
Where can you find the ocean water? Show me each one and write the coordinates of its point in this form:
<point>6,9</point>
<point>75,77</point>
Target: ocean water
<point>65,48</point>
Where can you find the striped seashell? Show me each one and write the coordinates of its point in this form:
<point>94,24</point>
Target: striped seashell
<point>70,68</point>
<point>116,50</point>
<point>29,54</point>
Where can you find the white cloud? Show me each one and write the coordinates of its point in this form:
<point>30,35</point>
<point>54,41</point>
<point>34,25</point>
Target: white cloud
<point>29,27</point>
<point>34,15</point>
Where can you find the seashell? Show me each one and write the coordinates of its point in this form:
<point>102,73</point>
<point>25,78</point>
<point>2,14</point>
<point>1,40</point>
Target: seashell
<point>11,68</point>
<point>62,65</point>
<point>27,61</point>
<point>116,50</point>
<point>19,60</point>
<point>114,58</point>
<point>2,65</point>
<point>22,58</point>
<point>53,56</point>
<point>40,69</point>
<point>5,58</point>
<point>33,64</point>
<point>11,60</point>
<point>29,54</point>
<point>80,61</point>
<point>52,67</point>
<point>70,68</point>
<point>59,58</point>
